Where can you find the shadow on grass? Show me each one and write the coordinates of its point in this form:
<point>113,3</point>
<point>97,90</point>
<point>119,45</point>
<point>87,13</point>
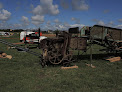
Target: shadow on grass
<point>96,56</point>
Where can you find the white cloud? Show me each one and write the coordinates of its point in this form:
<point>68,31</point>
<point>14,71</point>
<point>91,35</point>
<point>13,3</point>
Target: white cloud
<point>23,25</point>
<point>1,5</point>
<point>10,26</point>
<point>49,26</point>
<point>25,21</point>
<point>17,26</point>
<point>110,24</point>
<point>61,27</point>
<point>49,7</point>
<point>100,23</point>
<point>56,21</point>
<point>2,25</point>
<point>77,25</point>
<point>38,10</point>
<point>4,15</point>
<point>57,24</point>
<point>66,26</point>
<point>48,22</point>
<point>119,26</point>
<point>79,5</point>
<point>24,18</point>
<point>37,19</point>
<point>46,7</point>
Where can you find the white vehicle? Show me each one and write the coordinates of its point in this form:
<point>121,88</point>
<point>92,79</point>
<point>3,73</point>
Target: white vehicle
<point>4,33</point>
<point>31,37</point>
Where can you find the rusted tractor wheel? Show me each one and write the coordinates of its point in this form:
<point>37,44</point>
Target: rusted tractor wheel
<point>55,57</point>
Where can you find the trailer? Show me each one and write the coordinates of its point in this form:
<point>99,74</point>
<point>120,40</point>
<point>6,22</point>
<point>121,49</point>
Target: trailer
<point>109,37</point>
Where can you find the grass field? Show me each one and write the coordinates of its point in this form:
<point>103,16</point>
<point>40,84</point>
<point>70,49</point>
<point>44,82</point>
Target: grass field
<point>23,73</point>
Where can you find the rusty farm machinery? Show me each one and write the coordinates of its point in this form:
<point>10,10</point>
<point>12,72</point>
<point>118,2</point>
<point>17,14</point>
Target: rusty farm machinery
<point>59,50</point>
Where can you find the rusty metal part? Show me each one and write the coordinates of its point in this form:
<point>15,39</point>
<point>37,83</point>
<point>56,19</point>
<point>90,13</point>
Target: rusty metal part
<point>79,43</point>
<point>56,50</point>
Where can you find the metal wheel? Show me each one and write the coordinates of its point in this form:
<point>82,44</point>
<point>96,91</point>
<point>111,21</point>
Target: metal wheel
<point>55,58</point>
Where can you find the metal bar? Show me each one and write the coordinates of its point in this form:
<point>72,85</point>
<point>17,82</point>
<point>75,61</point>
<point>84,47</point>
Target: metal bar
<point>91,54</point>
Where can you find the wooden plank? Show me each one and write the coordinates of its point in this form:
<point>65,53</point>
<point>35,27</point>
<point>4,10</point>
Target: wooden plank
<point>5,56</point>
<point>120,47</point>
<point>114,59</point>
<point>118,41</point>
<point>69,67</point>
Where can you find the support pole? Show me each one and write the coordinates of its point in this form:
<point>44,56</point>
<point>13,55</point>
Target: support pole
<point>91,54</point>
<point>77,47</point>
<point>91,57</point>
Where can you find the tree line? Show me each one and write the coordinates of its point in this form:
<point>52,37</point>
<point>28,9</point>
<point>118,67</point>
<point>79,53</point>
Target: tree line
<point>9,30</point>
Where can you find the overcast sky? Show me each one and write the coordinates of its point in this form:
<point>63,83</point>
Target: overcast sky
<point>59,14</point>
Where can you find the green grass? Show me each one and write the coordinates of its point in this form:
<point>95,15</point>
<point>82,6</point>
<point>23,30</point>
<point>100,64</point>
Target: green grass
<point>23,73</point>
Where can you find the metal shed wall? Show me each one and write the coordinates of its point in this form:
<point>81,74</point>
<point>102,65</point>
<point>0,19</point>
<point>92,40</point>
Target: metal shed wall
<point>99,32</point>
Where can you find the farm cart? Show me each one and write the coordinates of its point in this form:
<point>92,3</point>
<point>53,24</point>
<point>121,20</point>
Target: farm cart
<point>108,37</point>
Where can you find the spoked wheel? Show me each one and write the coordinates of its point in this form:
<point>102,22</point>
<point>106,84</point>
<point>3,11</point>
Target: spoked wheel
<point>55,58</point>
